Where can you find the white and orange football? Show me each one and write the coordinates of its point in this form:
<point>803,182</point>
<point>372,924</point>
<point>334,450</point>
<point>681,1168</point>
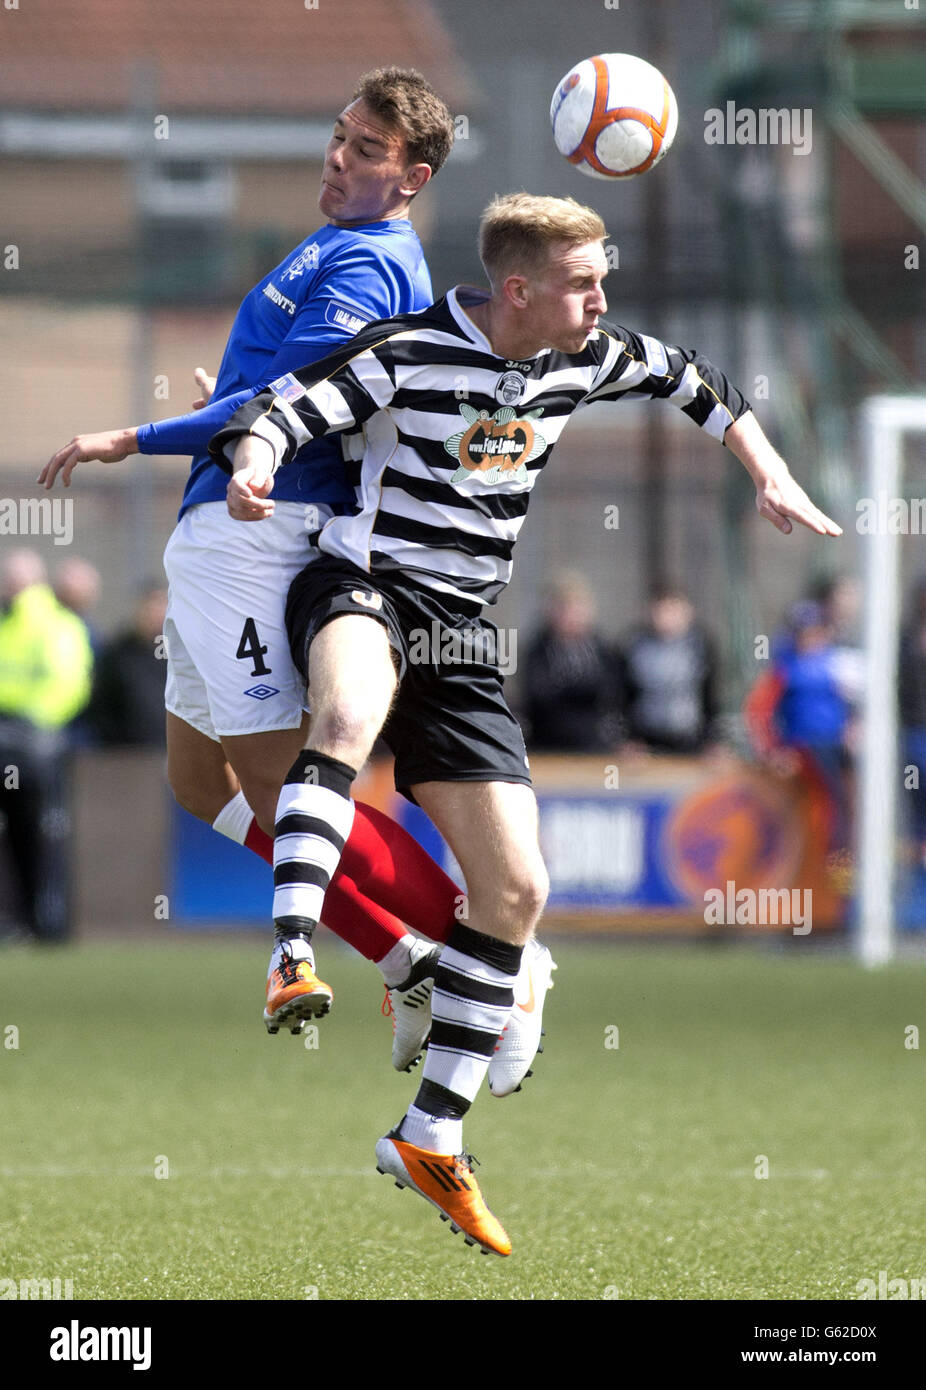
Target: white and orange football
<point>614,116</point>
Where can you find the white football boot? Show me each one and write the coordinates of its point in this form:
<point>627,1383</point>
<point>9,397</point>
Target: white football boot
<point>410,1006</point>
<point>520,1040</point>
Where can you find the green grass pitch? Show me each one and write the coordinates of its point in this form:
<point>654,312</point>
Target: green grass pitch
<point>625,1171</point>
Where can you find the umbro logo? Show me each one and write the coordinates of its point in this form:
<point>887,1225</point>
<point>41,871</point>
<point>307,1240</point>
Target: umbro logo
<point>262,692</point>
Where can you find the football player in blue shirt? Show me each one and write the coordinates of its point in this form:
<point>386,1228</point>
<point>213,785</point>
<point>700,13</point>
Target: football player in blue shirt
<point>235,720</point>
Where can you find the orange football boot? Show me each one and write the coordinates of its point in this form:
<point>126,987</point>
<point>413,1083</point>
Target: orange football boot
<point>294,994</point>
<point>447,1182</point>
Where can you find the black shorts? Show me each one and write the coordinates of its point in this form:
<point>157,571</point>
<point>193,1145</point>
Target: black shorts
<point>450,721</point>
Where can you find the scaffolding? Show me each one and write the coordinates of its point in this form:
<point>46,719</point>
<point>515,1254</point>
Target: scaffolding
<point>840,320</point>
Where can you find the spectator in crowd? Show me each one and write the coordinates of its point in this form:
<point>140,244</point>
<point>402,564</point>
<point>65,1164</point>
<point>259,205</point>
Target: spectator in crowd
<point>669,677</point>
<point>912,692</point>
<point>841,597</point>
<point>77,585</point>
<point>128,693</point>
<point>570,676</point>
<point>800,715</point>
<point>45,671</point>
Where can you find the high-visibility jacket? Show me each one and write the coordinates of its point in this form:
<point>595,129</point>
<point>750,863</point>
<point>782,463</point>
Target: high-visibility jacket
<point>46,662</point>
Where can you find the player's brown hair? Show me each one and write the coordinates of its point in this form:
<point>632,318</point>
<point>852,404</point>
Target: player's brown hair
<point>518,229</point>
<point>406,101</point>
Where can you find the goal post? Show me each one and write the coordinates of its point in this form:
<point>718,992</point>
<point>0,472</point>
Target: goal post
<point>886,420</point>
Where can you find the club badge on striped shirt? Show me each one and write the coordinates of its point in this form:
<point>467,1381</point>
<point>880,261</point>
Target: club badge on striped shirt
<point>510,388</point>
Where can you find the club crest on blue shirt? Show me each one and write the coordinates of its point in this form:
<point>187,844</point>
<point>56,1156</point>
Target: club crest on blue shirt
<point>495,448</point>
<point>306,260</point>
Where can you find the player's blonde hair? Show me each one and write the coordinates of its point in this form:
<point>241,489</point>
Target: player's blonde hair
<point>517,231</point>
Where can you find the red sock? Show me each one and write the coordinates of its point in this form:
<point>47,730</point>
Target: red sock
<point>259,841</point>
<point>359,921</point>
<point>390,866</point>
<point>351,914</point>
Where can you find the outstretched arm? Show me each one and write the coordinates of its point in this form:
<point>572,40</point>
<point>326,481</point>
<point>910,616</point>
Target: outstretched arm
<point>111,446</point>
<point>779,498</point>
<point>635,364</point>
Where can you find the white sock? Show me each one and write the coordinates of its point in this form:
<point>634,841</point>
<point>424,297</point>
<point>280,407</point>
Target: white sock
<point>425,1132</point>
<point>234,820</point>
<point>396,964</point>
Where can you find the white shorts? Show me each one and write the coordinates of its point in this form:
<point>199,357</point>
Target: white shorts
<point>229,669</point>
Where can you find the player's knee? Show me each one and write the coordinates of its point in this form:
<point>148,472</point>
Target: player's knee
<point>190,795</point>
<point>345,731</point>
<point>534,890</point>
<point>515,903</point>
<point>262,795</point>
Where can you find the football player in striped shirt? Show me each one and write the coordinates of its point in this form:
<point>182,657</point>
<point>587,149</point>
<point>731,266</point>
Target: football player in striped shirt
<point>461,406</point>
<point>235,716</point>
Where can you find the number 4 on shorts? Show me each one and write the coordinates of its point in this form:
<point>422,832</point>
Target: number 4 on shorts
<point>250,649</point>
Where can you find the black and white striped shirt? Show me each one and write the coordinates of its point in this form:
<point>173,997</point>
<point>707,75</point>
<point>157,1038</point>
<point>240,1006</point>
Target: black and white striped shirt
<point>454,437</point>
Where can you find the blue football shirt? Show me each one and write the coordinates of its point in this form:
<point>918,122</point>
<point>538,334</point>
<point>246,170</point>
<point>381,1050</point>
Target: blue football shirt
<point>326,289</point>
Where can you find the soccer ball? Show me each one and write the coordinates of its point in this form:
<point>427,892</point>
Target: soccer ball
<point>614,116</point>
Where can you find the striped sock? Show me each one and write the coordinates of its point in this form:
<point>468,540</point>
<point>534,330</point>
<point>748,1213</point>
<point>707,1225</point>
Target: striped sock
<point>313,821</point>
<point>473,996</point>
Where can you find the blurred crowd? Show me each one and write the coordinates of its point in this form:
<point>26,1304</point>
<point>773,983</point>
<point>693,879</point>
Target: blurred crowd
<point>125,706</point>
<point>802,714</point>
<point>109,687</point>
<point>64,685</point>
<point>656,691</point>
